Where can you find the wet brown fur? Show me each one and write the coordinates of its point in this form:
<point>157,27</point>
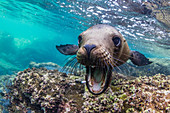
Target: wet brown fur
<point>101,36</point>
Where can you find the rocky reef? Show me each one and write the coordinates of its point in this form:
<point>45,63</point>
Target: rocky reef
<point>48,65</point>
<point>160,10</point>
<point>143,94</point>
<point>42,90</point>
<point>47,91</point>
<point>158,66</point>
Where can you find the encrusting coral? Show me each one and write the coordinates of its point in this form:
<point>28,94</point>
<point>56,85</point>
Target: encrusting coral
<point>46,91</point>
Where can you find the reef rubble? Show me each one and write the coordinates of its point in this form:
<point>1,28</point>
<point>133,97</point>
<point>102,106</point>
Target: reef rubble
<point>49,91</point>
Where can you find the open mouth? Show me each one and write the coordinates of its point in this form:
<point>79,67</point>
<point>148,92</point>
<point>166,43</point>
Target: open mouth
<point>98,79</point>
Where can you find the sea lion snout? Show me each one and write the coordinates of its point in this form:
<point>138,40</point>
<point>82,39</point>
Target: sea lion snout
<point>87,54</point>
<point>89,48</point>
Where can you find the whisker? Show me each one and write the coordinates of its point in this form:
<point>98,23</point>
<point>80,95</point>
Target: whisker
<point>69,58</point>
<point>119,67</point>
<point>111,62</point>
<point>84,71</point>
<point>125,64</point>
<point>113,67</point>
<point>117,59</point>
<point>106,64</point>
<point>127,55</point>
<point>66,66</point>
<point>71,66</point>
<point>115,63</point>
<point>125,68</point>
<point>74,68</point>
<point>101,63</point>
<point>78,70</point>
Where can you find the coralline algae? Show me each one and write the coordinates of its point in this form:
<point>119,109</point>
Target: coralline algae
<point>42,90</point>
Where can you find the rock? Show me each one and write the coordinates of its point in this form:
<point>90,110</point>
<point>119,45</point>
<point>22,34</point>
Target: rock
<point>48,65</point>
<point>42,90</point>
<point>160,10</point>
<point>158,66</point>
<point>156,8</point>
<point>142,94</point>
<point>46,91</point>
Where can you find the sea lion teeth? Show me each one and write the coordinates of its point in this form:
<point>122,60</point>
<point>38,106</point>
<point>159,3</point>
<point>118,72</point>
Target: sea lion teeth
<point>100,49</point>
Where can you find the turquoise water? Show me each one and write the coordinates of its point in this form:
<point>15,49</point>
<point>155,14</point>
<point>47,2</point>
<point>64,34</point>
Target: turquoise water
<point>30,29</point>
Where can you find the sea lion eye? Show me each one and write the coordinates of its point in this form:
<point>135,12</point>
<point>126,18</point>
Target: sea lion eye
<point>116,41</point>
<point>79,39</point>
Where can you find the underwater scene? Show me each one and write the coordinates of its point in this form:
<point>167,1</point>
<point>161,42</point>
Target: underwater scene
<point>84,56</point>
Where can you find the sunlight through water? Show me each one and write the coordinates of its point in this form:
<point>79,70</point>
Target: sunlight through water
<point>30,29</point>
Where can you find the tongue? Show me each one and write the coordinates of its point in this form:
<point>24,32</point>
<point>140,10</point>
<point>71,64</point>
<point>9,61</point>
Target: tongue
<point>97,79</point>
<point>96,86</point>
<point>97,76</point>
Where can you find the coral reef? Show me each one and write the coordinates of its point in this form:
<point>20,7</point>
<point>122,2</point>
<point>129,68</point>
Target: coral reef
<point>46,91</point>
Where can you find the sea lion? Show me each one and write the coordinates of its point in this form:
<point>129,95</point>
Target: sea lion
<point>100,49</point>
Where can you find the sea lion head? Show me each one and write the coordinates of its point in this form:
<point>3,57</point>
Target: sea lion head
<point>100,49</point>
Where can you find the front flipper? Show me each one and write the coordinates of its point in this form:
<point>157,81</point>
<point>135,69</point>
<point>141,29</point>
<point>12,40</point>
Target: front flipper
<point>139,59</point>
<point>68,49</point>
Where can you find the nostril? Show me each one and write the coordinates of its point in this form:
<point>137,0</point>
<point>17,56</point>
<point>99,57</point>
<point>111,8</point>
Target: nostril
<point>89,48</point>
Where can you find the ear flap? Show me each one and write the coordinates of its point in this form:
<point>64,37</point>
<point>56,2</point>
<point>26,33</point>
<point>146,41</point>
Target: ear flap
<point>139,59</point>
<point>68,49</point>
